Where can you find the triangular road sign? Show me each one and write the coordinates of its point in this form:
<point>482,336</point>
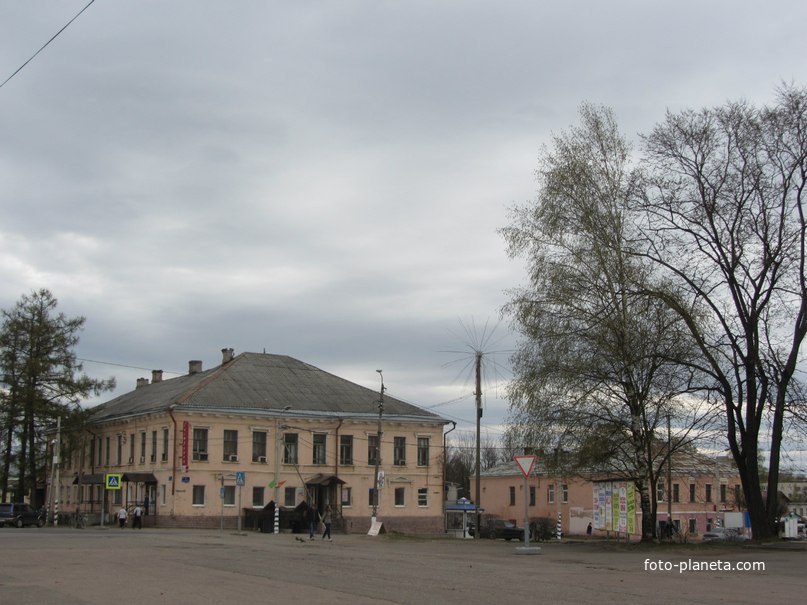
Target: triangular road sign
<point>525,463</point>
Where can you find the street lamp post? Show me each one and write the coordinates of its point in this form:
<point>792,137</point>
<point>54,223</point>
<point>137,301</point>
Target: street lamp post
<point>378,450</point>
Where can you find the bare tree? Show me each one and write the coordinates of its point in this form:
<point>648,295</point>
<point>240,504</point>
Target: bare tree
<point>724,217</point>
<point>598,368</point>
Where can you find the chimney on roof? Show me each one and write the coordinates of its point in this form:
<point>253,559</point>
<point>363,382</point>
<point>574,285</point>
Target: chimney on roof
<point>227,355</point>
<point>156,376</point>
<point>142,382</point>
<point>194,366</point>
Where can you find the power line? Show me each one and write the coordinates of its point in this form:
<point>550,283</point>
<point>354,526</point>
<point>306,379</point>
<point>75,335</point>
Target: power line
<point>19,69</point>
<point>123,365</point>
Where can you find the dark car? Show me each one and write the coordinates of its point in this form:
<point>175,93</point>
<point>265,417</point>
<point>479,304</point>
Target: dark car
<point>19,514</point>
<point>499,528</point>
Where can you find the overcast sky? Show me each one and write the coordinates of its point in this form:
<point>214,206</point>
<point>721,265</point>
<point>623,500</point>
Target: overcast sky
<point>325,179</point>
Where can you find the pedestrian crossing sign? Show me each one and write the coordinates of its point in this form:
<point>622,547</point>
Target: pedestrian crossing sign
<point>113,480</point>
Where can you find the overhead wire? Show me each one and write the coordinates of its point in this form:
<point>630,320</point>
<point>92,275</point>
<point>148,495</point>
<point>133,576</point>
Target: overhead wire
<point>31,58</point>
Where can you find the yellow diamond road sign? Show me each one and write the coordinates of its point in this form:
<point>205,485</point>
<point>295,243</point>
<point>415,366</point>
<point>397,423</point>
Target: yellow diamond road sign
<point>113,480</point>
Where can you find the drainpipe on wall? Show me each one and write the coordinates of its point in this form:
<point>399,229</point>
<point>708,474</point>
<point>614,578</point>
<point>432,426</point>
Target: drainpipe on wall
<point>173,458</point>
<point>336,470</point>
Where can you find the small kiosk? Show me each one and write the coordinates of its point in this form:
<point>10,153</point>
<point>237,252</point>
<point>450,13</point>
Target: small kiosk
<point>459,518</point>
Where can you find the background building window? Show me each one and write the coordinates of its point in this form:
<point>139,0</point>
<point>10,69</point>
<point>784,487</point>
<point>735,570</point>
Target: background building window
<point>231,445</point>
<point>399,496</point>
<point>676,495</point>
<point>347,496</point>
<point>143,446</point>
<point>693,526</point>
<point>153,446</point>
<point>708,492</point>
<point>319,448</point>
<point>120,450</point>
<point>373,501</point>
<point>373,455</point>
<point>229,495</point>
<point>259,446</point>
<point>660,491</point>
<point>723,492</point>
<point>289,496</point>
<point>346,449</point>
<point>512,495</point>
<point>550,493</point>
<point>564,492</point>
<point>532,495</point>
<point>199,444</point>
<point>165,445</point>
<point>290,450</point>
<point>423,496</point>
<point>423,451</point>
<point>198,494</point>
<point>691,492</point>
<point>399,451</point>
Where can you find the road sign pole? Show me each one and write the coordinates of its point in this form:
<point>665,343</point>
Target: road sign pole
<point>526,512</point>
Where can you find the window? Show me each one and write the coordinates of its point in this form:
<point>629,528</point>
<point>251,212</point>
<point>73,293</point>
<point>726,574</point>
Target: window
<point>512,495</point>
<point>229,495</point>
<point>399,496</point>
<point>399,451</point>
<point>373,453</point>
<point>708,492</point>
<point>691,492</point>
<point>423,496</point>
<point>131,448</point>
<point>693,526</point>
<point>288,496</point>
<point>199,444</point>
<point>660,491</point>
<point>153,446</point>
<point>676,494</point>
<point>423,451</point>
<point>564,492</point>
<point>723,487</point>
<point>165,445</point>
<point>142,447</point>
<point>231,445</point>
<point>319,448</point>
<point>550,493</point>
<point>198,492</point>
<point>257,496</point>
<point>290,451</point>
<point>259,446</point>
<point>371,500</point>
<point>119,450</point>
<point>346,449</point>
<point>117,499</point>
<point>532,495</point>
<point>106,454</point>
<point>347,496</point>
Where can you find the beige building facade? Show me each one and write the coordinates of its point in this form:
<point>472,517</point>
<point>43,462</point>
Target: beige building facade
<point>203,449</point>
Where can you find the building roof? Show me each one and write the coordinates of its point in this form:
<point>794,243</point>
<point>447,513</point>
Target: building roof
<point>261,383</point>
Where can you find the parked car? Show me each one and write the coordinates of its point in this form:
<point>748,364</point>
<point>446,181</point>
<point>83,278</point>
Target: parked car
<point>499,528</point>
<point>20,514</point>
<point>724,534</point>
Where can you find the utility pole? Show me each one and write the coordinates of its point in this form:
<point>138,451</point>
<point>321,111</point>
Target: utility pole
<point>478,495</point>
<point>378,451</point>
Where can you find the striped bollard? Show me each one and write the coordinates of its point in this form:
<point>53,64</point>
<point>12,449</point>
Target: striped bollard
<point>559,529</point>
<point>277,519</point>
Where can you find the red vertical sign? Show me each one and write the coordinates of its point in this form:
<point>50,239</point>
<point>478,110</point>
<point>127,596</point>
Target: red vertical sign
<point>185,437</point>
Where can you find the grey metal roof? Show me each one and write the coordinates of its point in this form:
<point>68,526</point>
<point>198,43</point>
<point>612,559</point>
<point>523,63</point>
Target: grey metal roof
<point>261,382</point>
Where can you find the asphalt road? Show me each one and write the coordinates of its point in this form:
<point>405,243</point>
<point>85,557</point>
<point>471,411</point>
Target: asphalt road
<point>155,566</point>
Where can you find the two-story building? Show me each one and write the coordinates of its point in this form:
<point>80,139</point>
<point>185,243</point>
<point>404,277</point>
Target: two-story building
<point>201,448</point>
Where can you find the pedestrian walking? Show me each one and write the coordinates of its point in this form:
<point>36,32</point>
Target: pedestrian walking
<point>588,530</point>
<point>137,517</point>
<point>326,520</point>
<point>122,514</point>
